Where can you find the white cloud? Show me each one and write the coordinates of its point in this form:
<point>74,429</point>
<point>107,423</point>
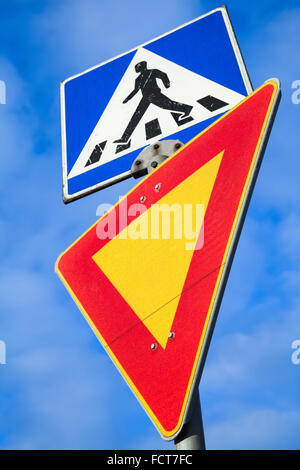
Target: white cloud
<point>258,360</point>
<point>257,430</point>
<point>15,134</point>
<point>59,390</point>
<point>272,52</point>
<point>82,34</point>
<point>249,266</point>
<point>275,46</point>
<point>289,237</point>
<point>65,388</point>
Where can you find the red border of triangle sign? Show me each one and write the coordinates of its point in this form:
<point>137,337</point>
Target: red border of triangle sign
<point>103,274</point>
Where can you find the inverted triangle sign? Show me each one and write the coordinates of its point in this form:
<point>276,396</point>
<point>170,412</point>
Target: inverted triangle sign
<point>153,301</point>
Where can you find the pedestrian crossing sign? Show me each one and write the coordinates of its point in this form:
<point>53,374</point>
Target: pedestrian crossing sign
<point>172,87</point>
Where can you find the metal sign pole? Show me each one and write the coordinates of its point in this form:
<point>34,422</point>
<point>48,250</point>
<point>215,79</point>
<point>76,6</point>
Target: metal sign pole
<point>191,436</point>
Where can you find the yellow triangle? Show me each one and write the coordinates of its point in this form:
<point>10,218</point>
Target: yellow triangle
<point>148,261</point>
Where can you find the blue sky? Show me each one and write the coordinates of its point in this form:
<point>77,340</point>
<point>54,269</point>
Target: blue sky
<point>58,389</point>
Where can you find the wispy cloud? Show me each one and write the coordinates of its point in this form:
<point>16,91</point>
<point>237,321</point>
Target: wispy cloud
<point>59,389</point>
<point>80,35</point>
<point>258,430</point>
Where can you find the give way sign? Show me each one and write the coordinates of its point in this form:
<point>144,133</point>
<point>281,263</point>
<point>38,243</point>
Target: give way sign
<point>151,292</point>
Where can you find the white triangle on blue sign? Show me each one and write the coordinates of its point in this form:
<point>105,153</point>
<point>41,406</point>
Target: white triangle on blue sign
<point>204,99</point>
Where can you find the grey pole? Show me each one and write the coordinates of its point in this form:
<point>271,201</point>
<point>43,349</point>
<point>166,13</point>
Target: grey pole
<point>191,437</point>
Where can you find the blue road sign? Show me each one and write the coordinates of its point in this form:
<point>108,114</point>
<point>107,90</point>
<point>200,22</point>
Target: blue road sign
<point>171,87</point>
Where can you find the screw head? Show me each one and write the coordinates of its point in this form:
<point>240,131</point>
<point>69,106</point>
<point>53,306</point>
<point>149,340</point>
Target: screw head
<point>143,198</point>
<point>156,146</point>
<point>157,187</point>
<point>138,162</point>
<point>154,346</point>
<point>154,164</point>
<point>171,335</point>
<point>178,145</point>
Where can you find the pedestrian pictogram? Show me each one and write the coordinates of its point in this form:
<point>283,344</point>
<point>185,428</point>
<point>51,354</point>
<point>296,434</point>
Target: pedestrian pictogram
<point>174,86</point>
<point>151,94</point>
<point>152,296</point>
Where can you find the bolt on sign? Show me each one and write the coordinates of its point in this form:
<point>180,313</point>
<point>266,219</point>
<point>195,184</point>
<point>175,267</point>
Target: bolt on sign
<point>151,295</point>
<point>173,86</point>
